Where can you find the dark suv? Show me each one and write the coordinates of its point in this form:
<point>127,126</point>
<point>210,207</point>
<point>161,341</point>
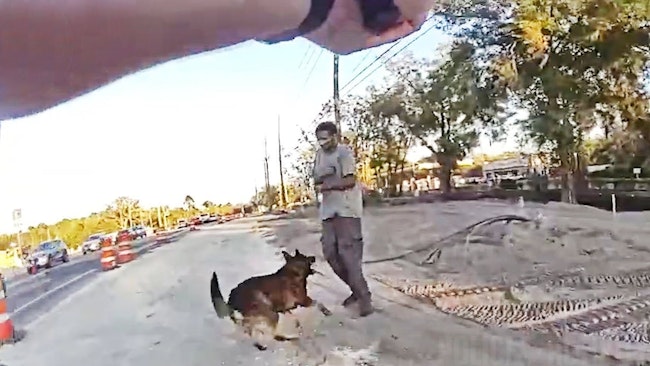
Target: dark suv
<point>46,255</point>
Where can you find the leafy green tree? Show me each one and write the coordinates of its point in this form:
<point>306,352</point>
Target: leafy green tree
<point>568,63</point>
<point>445,105</point>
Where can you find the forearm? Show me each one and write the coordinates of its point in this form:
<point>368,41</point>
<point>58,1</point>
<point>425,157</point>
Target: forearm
<point>51,51</point>
<point>340,184</point>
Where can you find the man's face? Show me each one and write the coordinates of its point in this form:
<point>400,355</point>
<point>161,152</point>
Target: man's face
<point>326,140</point>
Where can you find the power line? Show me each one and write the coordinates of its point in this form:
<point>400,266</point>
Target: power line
<point>385,52</point>
<point>313,67</point>
<point>391,57</point>
<point>370,64</point>
<point>304,56</point>
<point>360,62</point>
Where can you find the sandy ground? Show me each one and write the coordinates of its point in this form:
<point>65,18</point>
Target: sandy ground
<point>157,311</point>
<point>565,240</point>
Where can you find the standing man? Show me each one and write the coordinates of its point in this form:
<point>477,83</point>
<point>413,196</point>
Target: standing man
<point>340,213</point>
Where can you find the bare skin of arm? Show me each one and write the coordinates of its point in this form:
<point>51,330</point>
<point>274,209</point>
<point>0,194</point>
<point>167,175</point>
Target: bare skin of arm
<point>340,184</point>
<point>58,50</point>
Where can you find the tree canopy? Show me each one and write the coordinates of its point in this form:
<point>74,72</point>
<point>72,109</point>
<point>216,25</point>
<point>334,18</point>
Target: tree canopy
<point>571,67</point>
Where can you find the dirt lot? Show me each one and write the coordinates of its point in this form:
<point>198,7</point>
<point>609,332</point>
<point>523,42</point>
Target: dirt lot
<point>577,242</point>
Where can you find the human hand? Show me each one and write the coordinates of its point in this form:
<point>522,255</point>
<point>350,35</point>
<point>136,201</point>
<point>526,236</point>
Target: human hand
<point>344,32</point>
<point>324,187</point>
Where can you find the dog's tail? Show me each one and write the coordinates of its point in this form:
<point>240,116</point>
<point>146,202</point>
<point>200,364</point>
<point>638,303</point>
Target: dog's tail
<point>220,305</point>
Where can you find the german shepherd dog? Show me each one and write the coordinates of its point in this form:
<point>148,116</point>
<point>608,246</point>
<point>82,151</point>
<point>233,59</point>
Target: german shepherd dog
<point>256,303</point>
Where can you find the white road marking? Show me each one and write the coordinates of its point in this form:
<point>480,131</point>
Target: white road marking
<point>47,293</point>
<point>26,279</point>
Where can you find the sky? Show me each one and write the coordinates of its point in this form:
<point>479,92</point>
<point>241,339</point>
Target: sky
<point>207,115</point>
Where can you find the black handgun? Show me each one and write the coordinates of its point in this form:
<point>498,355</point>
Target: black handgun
<point>379,15</point>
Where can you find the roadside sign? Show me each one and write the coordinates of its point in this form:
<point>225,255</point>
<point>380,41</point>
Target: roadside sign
<point>17,217</point>
<point>636,171</point>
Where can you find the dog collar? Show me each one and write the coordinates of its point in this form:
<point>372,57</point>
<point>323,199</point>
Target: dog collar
<point>318,13</point>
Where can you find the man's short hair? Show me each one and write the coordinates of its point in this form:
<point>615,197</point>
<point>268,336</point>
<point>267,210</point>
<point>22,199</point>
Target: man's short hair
<point>330,127</point>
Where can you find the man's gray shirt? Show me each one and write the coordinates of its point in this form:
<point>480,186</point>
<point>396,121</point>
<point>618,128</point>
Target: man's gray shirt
<point>335,165</point>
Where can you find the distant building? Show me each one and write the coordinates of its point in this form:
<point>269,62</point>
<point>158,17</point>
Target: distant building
<point>513,168</point>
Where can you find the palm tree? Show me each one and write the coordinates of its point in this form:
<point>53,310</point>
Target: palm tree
<point>189,202</point>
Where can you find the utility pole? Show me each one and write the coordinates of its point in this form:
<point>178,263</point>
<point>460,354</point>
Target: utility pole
<point>337,101</point>
<point>283,193</point>
<point>160,223</point>
<point>267,183</point>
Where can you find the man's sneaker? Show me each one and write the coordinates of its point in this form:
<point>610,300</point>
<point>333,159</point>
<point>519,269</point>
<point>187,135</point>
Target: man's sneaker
<point>365,308</point>
<point>350,300</point>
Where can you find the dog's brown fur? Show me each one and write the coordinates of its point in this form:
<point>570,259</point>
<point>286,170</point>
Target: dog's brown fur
<point>257,302</point>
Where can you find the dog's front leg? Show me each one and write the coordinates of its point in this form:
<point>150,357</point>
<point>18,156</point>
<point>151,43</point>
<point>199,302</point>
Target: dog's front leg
<point>323,309</point>
<point>311,302</point>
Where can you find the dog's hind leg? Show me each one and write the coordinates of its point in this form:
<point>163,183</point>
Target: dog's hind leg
<point>264,328</point>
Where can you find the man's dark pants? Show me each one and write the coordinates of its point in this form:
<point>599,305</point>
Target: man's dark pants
<point>342,241</point>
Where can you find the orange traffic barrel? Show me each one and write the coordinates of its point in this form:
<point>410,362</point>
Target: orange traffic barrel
<point>7,334</point>
<point>125,253</point>
<point>108,258</point>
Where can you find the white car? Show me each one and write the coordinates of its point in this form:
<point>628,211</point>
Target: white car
<point>92,244</point>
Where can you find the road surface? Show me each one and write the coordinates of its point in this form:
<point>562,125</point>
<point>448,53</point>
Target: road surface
<point>31,297</point>
<point>157,311</point>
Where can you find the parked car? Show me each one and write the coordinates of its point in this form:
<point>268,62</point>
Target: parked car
<point>46,254</point>
<point>139,232</point>
<point>182,223</point>
<point>204,217</point>
<point>92,244</point>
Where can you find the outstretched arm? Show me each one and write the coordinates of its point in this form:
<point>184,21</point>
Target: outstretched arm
<point>52,51</point>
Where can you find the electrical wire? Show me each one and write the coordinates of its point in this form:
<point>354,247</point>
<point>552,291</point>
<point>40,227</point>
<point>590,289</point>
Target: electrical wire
<point>360,62</point>
<point>393,56</point>
<point>372,63</point>
<point>311,71</point>
<point>436,249</point>
<point>386,52</point>
<point>304,56</point>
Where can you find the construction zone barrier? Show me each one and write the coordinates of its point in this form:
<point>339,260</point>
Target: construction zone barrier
<point>166,237</point>
<point>108,258</point>
<point>7,332</point>
<point>162,238</point>
<point>125,253</point>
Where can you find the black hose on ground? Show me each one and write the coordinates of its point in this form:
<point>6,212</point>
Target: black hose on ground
<point>488,221</point>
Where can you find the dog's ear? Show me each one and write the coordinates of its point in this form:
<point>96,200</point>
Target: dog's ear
<point>286,255</point>
<point>297,253</point>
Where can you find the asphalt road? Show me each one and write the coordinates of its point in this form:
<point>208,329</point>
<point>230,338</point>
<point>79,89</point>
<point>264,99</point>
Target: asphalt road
<point>154,311</point>
<point>30,297</point>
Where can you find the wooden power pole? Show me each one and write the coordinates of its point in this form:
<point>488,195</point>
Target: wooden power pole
<point>283,193</point>
<point>267,183</point>
<point>337,100</point>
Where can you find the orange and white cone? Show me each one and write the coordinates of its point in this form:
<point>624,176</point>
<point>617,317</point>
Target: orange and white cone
<point>125,253</point>
<point>162,238</point>
<point>7,333</point>
<point>108,258</point>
